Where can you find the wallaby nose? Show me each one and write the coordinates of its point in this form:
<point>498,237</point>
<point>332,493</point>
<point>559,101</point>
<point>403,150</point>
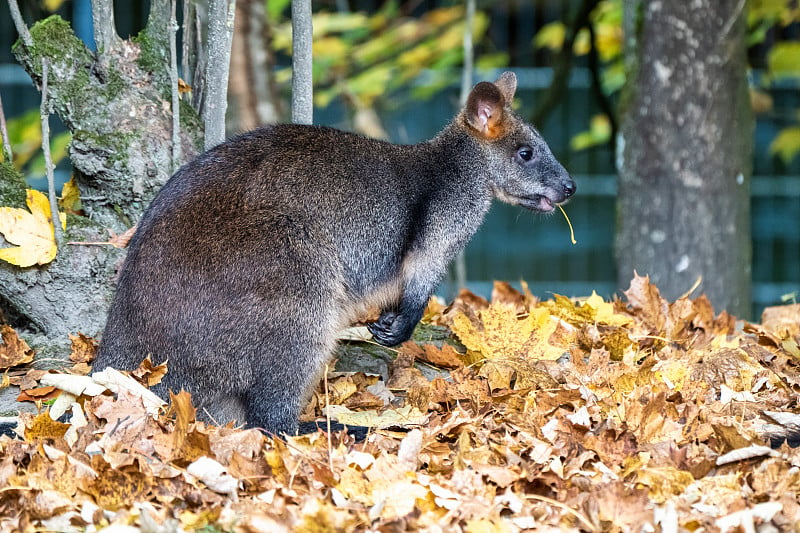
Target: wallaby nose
<point>569,188</point>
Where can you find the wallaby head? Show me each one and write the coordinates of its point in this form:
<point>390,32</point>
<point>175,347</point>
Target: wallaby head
<point>522,170</point>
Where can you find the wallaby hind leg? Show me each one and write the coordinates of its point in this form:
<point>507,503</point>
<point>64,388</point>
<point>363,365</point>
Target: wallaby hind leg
<point>280,392</point>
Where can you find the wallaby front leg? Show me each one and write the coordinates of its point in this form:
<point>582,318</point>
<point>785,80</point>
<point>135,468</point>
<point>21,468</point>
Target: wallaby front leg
<point>397,324</point>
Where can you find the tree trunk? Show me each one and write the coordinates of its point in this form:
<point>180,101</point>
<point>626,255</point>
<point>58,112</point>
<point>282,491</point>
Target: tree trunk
<point>117,106</point>
<point>685,150</point>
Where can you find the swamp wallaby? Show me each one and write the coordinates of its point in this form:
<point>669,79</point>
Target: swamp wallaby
<point>255,255</point>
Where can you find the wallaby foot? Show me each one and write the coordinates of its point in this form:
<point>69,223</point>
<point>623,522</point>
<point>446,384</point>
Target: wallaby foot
<point>392,328</point>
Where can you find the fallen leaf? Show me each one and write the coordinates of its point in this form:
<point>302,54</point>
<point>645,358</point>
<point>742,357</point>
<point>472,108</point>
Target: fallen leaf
<point>404,417</point>
<point>84,348</point>
<point>32,231</point>
<point>13,351</point>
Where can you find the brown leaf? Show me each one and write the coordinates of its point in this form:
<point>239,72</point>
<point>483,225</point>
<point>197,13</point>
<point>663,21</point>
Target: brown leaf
<point>13,350</point>
<point>42,426</point>
<point>444,357</point>
<point>149,374</point>
<point>783,320</point>
<point>38,394</point>
<point>185,414</point>
<point>503,292</point>
<point>116,488</point>
<point>84,348</point>
<point>646,300</point>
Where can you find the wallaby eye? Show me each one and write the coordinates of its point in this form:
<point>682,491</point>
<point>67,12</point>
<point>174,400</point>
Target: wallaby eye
<point>525,153</point>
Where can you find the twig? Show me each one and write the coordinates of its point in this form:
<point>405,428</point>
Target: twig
<point>469,53</point>
<point>187,43</point>
<point>220,36</point>
<point>22,29</point>
<point>176,104</point>
<point>44,113</point>
<point>7,155</point>
<point>460,264</point>
<point>328,419</point>
<point>597,90</point>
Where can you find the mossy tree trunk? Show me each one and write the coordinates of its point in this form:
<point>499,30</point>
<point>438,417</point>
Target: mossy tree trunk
<point>685,150</point>
<point>117,104</point>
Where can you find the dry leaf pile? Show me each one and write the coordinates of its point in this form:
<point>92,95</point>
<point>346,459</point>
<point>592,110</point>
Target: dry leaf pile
<point>589,415</point>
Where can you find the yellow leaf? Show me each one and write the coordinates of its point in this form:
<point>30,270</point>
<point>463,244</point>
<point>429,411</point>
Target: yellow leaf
<point>551,36</point>
<point>53,5</point>
<point>500,334</point>
<point>609,40</point>
<point>603,312</point>
<point>70,196</point>
<point>32,231</point>
<point>784,60</point>
<point>787,144</point>
<point>664,483</point>
<point>402,417</point>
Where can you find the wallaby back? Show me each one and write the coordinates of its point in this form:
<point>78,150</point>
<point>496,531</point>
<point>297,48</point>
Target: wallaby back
<point>253,256</point>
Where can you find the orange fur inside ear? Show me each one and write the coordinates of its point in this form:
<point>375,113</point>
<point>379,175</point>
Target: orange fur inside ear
<point>484,111</point>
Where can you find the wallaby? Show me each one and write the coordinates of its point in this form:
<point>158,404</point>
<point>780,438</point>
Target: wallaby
<point>254,256</point>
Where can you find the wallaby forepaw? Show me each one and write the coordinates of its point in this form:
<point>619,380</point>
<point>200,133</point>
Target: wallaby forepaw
<point>391,329</point>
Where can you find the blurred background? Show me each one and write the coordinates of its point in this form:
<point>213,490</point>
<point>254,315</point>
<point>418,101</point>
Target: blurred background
<point>394,69</point>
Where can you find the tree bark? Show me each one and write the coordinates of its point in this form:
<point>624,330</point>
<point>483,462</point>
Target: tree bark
<point>302,77</point>
<point>685,150</point>
<point>118,109</point>
<point>221,16</point>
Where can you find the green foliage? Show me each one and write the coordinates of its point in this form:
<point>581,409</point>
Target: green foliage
<point>606,20</point>
<point>364,58</point>
<point>597,134</point>
<point>786,144</point>
<point>764,15</point>
<point>25,136</point>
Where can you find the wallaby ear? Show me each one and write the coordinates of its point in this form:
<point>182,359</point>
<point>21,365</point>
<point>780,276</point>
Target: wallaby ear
<point>484,110</point>
<point>507,83</point>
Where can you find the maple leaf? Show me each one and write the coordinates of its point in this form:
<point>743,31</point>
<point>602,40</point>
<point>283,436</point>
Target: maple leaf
<point>499,333</point>
<point>646,299</point>
<point>32,231</point>
<point>590,310</point>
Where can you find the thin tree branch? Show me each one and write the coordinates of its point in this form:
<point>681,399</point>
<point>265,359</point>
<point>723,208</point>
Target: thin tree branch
<point>19,24</point>
<point>176,103</point>
<point>105,29</point>
<point>7,155</point>
<point>469,53</point>
<point>563,65</point>
<point>44,113</point>
<point>302,76</point>
<point>460,264</point>
<point>188,42</point>
<point>221,15</point>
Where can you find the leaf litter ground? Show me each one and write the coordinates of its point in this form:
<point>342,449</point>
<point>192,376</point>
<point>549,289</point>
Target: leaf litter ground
<point>589,415</point>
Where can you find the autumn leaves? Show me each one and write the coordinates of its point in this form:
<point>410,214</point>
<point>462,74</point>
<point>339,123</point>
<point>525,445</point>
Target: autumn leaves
<point>31,231</point>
